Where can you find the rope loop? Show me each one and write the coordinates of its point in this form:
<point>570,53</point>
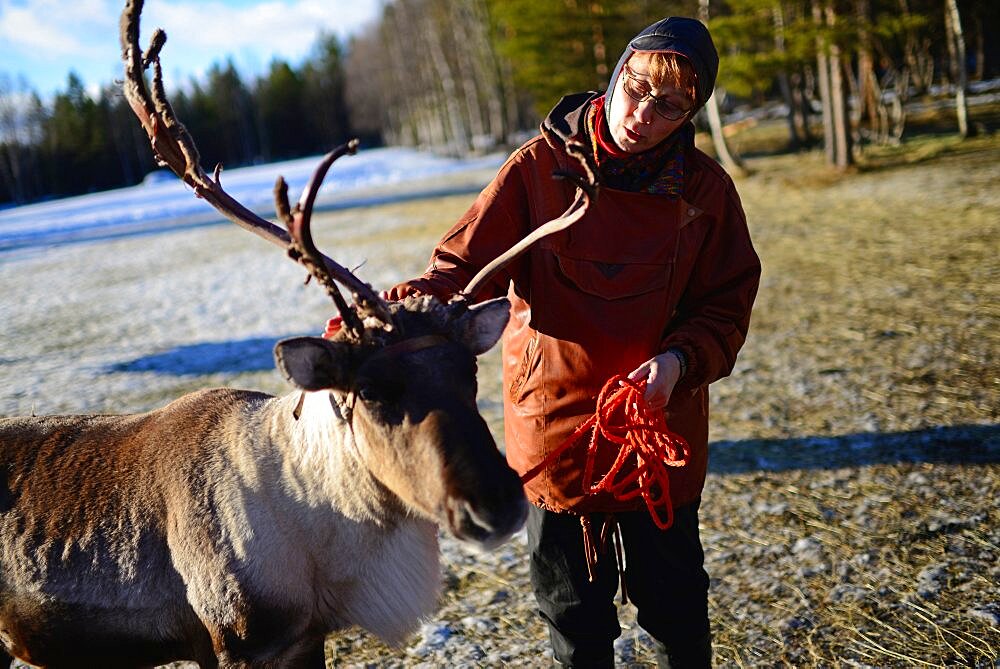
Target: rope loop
<point>646,448</point>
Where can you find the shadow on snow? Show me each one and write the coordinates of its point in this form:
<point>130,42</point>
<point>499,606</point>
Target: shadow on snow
<point>223,357</point>
<point>953,444</point>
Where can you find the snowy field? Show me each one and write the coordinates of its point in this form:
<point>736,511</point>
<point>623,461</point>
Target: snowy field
<point>118,301</point>
<point>163,203</point>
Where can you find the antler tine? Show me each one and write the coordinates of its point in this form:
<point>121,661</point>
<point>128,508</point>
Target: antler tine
<point>303,249</point>
<point>367,300</point>
<point>587,182</point>
<point>587,188</point>
<point>304,252</point>
<point>174,148</point>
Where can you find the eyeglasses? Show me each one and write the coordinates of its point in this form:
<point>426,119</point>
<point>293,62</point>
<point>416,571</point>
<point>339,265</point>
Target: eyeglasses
<point>638,90</point>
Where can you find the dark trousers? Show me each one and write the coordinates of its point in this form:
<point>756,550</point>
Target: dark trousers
<point>664,577</point>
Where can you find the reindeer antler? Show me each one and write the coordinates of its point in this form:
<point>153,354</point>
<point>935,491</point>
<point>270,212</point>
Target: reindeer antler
<point>174,148</point>
<point>587,187</point>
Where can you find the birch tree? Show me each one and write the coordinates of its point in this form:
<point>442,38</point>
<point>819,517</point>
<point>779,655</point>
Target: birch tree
<point>729,162</point>
<point>956,48</point>
<point>830,79</point>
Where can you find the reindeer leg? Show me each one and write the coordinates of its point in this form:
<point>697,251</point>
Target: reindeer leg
<point>304,654</point>
<point>308,654</point>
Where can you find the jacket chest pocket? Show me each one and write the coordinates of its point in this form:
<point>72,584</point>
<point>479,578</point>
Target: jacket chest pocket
<point>614,280</point>
<point>624,248</point>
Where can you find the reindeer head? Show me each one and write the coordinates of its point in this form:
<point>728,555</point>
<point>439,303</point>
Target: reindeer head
<point>411,406</point>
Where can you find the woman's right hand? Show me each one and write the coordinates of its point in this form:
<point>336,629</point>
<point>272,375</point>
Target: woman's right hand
<point>334,324</point>
<point>333,327</point>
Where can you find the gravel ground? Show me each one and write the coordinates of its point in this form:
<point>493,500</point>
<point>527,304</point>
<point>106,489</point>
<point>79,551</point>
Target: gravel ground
<point>852,511</point>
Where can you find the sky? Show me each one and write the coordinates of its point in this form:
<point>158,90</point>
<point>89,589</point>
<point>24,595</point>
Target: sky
<point>43,40</point>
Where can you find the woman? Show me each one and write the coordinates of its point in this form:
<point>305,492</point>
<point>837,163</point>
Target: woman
<point>656,281</point>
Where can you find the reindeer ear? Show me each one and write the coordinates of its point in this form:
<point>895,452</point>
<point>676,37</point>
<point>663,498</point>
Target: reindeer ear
<point>481,325</point>
<point>312,363</point>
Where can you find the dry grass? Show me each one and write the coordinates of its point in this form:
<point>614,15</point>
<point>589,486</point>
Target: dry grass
<point>874,540</point>
<point>852,516</point>
<point>889,564</point>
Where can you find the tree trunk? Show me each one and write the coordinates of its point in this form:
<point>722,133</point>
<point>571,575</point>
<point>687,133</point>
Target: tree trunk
<point>841,117</point>
<point>916,54</point>
<point>980,42</point>
<point>469,73</point>
<point>9,171</point>
<point>402,107</point>
<point>838,101</point>
<point>731,164</point>
<point>823,84</point>
<point>10,159</point>
<point>415,83</point>
<point>956,43</point>
<point>801,106</point>
<point>457,126</point>
<point>869,93</point>
<point>119,140</point>
<point>794,141</point>
<point>492,90</point>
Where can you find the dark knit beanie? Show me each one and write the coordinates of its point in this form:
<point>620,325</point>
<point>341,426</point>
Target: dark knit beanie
<point>683,36</point>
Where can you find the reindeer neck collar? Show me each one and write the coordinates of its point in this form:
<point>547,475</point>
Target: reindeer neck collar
<point>408,346</point>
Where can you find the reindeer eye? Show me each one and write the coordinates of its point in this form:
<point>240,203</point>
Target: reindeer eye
<point>368,393</point>
<point>382,390</point>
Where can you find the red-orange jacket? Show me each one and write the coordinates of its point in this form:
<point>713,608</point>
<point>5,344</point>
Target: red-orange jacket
<point>639,274</point>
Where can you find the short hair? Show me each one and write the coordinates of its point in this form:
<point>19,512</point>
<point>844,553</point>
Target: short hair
<point>671,69</point>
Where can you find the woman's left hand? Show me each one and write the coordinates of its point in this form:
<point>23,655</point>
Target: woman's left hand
<point>661,375</point>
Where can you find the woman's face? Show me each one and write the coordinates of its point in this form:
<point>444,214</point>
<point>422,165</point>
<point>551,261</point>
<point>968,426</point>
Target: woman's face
<point>637,126</point>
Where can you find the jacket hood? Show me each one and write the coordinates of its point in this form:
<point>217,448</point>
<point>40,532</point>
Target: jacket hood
<point>567,118</point>
<point>686,37</point>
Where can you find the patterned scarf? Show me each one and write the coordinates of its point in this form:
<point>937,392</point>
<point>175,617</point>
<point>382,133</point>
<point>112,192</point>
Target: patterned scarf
<point>659,170</point>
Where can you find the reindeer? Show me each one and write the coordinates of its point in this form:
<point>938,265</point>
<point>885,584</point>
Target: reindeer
<point>237,529</point>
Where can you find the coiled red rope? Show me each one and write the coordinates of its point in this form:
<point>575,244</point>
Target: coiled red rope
<point>624,420</point>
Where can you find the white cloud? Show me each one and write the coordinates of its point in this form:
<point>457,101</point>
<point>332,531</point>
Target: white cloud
<point>50,29</point>
<point>285,28</point>
<point>83,34</point>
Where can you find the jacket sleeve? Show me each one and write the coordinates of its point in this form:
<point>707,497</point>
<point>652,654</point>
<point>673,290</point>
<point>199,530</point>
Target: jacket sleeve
<point>497,220</point>
<point>713,314</point>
